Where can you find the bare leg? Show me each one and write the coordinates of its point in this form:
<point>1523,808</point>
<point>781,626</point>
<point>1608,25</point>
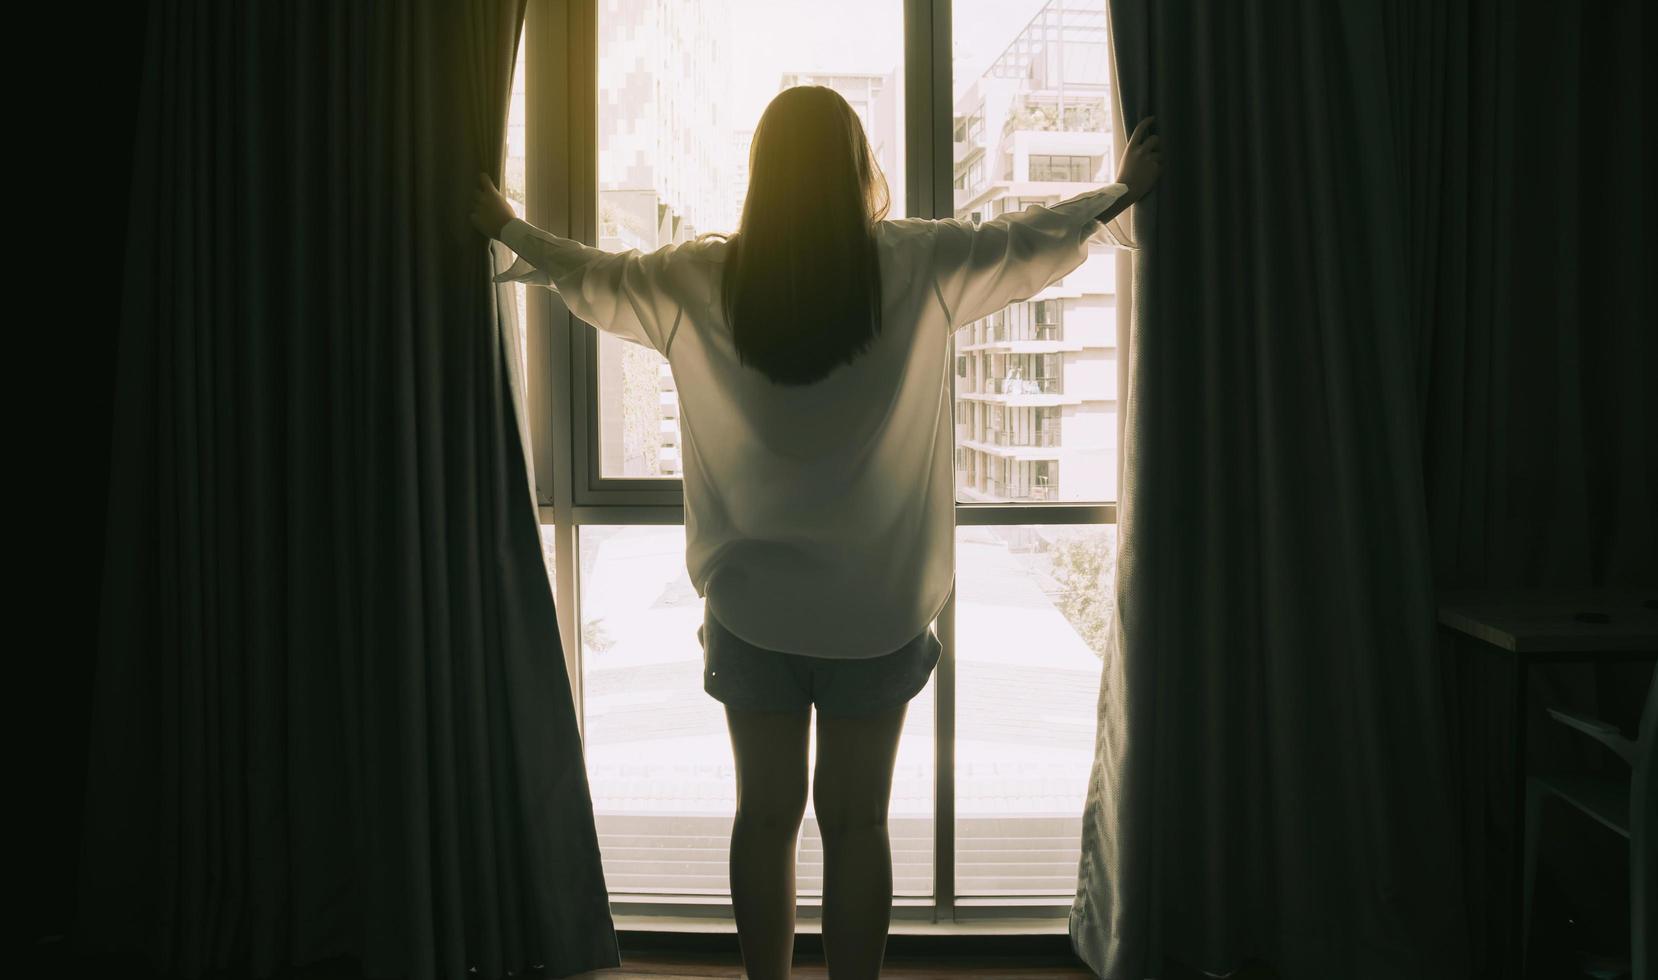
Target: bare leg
<point>763,894</point>
<point>770,749</point>
<point>857,900</point>
<point>851,793</point>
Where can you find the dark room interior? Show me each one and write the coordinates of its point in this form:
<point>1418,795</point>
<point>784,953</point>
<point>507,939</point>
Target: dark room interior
<point>1314,520</point>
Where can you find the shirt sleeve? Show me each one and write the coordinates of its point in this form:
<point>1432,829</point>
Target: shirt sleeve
<point>981,268</point>
<point>621,293</point>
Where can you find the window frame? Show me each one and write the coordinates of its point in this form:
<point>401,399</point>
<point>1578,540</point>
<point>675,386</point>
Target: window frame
<point>560,40</point>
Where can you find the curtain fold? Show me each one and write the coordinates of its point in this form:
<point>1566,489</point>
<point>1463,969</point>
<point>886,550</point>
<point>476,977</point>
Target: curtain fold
<point>1271,778</point>
<point>331,715</point>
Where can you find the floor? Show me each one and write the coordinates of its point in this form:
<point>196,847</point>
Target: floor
<point>1026,959</point>
<point>681,966</point>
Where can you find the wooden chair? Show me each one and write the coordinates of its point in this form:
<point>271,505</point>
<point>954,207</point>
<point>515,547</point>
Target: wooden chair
<point>1629,808</point>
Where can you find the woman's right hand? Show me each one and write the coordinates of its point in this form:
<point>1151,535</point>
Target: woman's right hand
<point>1140,166</point>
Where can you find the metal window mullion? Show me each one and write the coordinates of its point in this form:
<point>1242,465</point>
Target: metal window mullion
<point>583,189</point>
<point>1123,288</point>
<point>931,194</point>
<point>549,29</point>
<point>580,150</point>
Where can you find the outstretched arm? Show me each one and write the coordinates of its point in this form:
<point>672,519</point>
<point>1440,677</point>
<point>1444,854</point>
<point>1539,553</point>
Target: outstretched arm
<point>980,268</point>
<point>621,293</point>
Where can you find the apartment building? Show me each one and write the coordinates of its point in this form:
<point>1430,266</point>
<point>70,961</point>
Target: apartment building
<point>665,148</point>
<point>1036,399</point>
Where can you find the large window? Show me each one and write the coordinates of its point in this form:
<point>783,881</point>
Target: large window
<point>1032,613</point>
<point>680,87</point>
<point>1038,73</point>
<point>630,128</point>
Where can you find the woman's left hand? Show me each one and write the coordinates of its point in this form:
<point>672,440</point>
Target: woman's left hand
<point>490,211</point>
<point>1142,161</point>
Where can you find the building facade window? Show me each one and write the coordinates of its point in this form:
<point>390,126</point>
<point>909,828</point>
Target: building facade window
<point>1067,167</point>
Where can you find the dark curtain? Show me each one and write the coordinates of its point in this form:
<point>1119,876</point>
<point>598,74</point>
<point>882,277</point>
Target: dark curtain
<point>1530,282</point>
<point>1272,779</point>
<point>331,714</point>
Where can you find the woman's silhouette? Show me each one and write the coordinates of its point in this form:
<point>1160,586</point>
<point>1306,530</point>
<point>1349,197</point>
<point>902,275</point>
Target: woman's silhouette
<point>810,351</point>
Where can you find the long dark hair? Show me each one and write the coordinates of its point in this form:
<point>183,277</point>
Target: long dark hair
<point>802,285</point>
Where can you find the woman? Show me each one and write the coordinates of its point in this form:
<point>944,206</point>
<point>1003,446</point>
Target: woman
<point>811,355</point>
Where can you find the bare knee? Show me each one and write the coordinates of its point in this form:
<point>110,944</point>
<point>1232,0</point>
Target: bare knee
<point>838,826</point>
<point>852,786</point>
<point>776,814</point>
<point>843,810</point>
<point>848,800</point>
<point>770,749</point>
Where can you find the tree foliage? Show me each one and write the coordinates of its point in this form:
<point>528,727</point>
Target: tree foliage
<point>1082,567</point>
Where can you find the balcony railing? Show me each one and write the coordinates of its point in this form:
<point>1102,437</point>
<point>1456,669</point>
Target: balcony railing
<point>1038,439</point>
<point>1086,117</point>
<point>1024,331</point>
<point>1020,491</point>
<point>1067,172</point>
<point>1020,386</point>
<point>1042,320</point>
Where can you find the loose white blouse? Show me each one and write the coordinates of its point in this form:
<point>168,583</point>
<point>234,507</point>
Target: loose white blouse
<point>820,519</point>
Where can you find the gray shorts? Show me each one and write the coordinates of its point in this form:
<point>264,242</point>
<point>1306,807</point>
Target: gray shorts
<point>750,678</point>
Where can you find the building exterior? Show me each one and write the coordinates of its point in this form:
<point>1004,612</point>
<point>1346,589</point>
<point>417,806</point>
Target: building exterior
<point>1036,399</point>
<point>741,141</point>
<point>665,151</point>
<point>664,146</point>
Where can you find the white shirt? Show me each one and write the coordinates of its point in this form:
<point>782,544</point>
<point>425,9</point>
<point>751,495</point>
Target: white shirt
<point>820,519</point>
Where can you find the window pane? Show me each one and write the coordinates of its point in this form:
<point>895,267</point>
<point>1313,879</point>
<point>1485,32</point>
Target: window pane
<point>1033,609</point>
<point>1039,389</point>
<point>681,85</point>
<point>658,751</point>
